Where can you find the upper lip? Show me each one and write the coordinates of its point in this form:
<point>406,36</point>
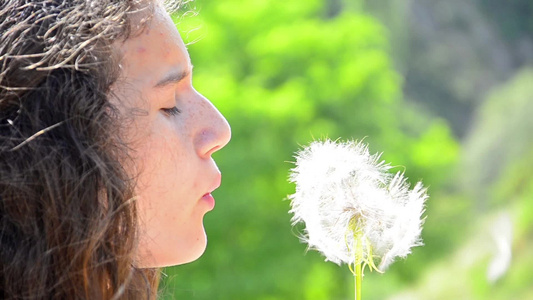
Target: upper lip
<point>216,183</point>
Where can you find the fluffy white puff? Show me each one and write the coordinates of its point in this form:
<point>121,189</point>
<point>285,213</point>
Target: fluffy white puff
<point>339,184</point>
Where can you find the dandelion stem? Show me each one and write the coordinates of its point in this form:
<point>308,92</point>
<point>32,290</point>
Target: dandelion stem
<point>358,279</point>
<point>358,270</point>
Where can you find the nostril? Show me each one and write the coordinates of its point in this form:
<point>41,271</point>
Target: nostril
<point>213,150</point>
<point>212,139</point>
<point>207,142</point>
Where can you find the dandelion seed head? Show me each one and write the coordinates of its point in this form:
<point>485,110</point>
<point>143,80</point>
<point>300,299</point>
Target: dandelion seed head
<point>343,191</point>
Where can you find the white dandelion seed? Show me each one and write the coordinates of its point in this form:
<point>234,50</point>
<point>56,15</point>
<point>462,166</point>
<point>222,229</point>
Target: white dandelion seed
<point>354,210</point>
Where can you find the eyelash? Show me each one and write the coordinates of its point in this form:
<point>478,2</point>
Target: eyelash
<point>173,111</point>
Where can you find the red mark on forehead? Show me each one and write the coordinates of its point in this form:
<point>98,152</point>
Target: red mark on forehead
<point>141,50</point>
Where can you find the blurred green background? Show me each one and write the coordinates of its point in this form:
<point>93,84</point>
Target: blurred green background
<point>443,88</point>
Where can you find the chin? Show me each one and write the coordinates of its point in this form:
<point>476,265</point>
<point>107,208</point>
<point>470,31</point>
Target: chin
<point>171,255</point>
<point>192,253</point>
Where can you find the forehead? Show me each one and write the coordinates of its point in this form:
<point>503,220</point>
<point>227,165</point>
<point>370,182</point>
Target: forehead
<point>155,51</point>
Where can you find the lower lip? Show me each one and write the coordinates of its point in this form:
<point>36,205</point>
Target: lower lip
<point>208,198</point>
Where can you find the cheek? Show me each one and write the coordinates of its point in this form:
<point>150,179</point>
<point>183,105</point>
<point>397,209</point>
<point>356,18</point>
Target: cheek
<point>160,186</point>
<point>161,160</point>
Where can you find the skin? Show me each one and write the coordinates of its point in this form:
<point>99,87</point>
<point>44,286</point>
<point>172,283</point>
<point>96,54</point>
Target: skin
<point>171,153</point>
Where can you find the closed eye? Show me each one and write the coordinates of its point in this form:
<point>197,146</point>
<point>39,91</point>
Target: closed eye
<point>173,111</point>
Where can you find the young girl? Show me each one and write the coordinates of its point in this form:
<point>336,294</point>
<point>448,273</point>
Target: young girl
<point>105,149</point>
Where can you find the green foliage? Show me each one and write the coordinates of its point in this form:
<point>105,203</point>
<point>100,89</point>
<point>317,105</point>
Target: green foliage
<point>501,135</point>
<point>284,74</point>
<point>497,175</point>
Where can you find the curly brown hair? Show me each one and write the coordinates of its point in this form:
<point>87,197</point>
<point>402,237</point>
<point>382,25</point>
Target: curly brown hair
<point>68,228</point>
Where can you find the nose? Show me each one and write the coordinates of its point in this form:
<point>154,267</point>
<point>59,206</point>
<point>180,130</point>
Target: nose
<point>215,132</point>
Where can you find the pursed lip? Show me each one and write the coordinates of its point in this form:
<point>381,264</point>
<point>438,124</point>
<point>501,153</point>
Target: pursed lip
<point>207,197</point>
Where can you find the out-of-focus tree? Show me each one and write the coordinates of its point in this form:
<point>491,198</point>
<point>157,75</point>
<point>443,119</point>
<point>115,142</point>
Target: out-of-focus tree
<point>500,138</point>
<point>497,178</point>
<point>452,53</point>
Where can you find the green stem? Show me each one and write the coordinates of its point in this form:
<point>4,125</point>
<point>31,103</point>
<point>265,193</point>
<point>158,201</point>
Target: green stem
<point>358,267</point>
<point>358,280</point>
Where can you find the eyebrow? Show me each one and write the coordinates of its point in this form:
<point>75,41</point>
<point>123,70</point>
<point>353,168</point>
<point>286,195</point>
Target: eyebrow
<point>173,77</point>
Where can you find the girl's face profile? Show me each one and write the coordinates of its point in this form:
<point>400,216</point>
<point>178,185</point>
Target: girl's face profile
<point>172,131</point>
